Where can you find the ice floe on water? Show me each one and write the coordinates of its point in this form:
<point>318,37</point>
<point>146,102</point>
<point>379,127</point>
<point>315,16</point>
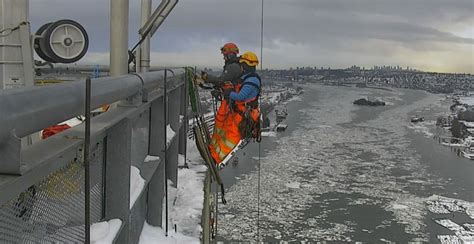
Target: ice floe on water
<point>445,205</point>
<point>269,133</point>
<point>462,234</point>
<point>410,212</point>
<point>293,185</point>
<point>295,98</point>
<point>449,239</point>
<point>423,127</point>
<point>333,161</point>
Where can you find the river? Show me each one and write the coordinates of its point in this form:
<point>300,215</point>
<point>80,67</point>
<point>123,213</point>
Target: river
<point>342,172</point>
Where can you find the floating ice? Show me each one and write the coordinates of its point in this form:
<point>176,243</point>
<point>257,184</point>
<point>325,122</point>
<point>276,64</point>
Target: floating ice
<point>269,133</point>
<point>449,239</point>
<point>443,205</point>
<point>372,159</point>
<point>421,128</point>
<point>294,185</point>
<point>399,206</point>
<point>465,236</point>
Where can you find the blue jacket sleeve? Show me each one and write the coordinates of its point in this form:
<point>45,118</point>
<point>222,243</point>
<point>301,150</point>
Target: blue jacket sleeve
<point>247,92</point>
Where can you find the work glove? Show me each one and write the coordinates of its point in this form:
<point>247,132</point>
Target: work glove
<point>204,75</point>
<point>217,94</point>
<point>198,80</point>
<point>226,93</point>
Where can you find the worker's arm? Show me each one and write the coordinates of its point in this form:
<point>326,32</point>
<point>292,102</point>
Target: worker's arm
<point>249,90</point>
<point>231,72</point>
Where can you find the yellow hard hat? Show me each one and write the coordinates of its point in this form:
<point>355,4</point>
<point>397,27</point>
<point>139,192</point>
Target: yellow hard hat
<point>249,58</point>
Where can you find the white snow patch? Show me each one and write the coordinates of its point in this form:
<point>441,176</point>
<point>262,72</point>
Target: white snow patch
<point>152,235</point>
<point>170,134</point>
<point>188,203</point>
<point>137,184</point>
<point>185,204</point>
<point>180,159</point>
<point>150,158</point>
<point>105,232</point>
<point>74,121</point>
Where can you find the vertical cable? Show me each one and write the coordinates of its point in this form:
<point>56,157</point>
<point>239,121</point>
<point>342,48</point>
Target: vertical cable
<point>87,142</point>
<point>217,209</point>
<point>186,119</point>
<point>259,146</point>
<point>165,117</point>
<point>261,40</point>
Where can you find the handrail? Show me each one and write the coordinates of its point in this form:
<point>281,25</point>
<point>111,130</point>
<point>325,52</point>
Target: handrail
<point>26,110</point>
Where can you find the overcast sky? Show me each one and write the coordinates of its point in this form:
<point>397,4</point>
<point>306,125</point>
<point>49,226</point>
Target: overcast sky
<point>431,35</point>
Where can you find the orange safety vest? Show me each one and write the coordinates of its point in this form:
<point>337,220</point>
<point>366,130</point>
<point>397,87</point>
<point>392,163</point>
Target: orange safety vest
<point>229,126</point>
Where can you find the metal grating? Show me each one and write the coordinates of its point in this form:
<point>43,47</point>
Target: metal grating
<point>52,211</point>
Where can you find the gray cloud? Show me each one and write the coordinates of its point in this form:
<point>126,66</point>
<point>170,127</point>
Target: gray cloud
<point>332,28</point>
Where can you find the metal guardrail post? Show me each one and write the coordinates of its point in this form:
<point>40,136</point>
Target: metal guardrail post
<point>157,143</point>
<point>174,105</point>
<point>117,173</point>
<point>184,113</point>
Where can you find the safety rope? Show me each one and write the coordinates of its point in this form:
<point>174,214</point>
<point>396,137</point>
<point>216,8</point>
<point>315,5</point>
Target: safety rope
<point>216,216</point>
<point>216,202</point>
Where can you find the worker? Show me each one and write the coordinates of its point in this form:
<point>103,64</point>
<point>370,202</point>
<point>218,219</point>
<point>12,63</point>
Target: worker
<point>249,87</point>
<point>231,72</point>
<point>239,117</point>
<point>245,96</point>
<point>230,76</point>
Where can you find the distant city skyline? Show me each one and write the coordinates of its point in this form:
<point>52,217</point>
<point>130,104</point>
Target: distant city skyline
<point>428,35</point>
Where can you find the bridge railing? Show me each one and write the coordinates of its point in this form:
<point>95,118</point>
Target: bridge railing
<point>42,185</point>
